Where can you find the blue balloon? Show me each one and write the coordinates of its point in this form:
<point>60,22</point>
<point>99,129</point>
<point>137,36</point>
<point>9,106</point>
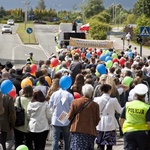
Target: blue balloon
<point>101,68</point>
<point>65,82</point>
<point>130,54</point>
<point>88,55</point>
<point>107,54</point>
<point>108,58</point>
<point>6,86</point>
<point>102,57</point>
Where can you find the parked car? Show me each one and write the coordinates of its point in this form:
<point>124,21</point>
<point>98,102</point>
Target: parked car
<point>6,29</point>
<point>10,22</point>
<point>39,22</point>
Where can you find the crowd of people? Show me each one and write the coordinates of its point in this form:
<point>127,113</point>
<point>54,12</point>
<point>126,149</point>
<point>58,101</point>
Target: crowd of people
<point>96,103</point>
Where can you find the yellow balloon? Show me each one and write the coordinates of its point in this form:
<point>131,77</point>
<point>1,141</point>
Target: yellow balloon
<point>25,82</point>
<point>49,80</point>
<point>72,52</point>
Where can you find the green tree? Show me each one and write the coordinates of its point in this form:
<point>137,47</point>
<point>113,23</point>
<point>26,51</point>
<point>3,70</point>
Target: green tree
<point>2,12</point>
<point>41,5</point>
<point>131,19</point>
<point>92,7</point>
<point>142,7</point>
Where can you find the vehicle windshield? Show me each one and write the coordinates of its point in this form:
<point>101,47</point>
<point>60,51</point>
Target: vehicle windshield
<point>6,26</point>
<point>10,20</point>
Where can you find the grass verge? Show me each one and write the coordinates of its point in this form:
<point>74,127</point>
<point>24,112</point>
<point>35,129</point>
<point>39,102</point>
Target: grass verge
<point>24,36</point>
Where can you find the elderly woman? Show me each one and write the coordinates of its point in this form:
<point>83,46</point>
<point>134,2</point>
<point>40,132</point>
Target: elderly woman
<point>108,124</point>
<point>83,127</point>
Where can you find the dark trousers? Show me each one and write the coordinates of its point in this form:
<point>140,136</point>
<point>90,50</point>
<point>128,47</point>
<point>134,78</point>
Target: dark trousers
<point>39,139</point>
<point>3,137</point>
<point>23,138</point>
<point>102,147</point>
<point>136,140</point>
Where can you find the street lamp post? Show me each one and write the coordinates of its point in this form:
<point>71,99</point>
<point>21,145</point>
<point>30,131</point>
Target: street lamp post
<point>26,12</point>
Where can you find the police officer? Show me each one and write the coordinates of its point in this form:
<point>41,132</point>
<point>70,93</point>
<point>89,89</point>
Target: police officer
<point>135,121</point>
<point>30,59</point>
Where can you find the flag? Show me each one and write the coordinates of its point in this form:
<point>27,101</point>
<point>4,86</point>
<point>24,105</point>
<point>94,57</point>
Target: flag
<point>85,27</point>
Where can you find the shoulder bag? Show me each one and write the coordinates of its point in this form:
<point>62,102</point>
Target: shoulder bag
<point>20,114</point>
<point>79,110</point>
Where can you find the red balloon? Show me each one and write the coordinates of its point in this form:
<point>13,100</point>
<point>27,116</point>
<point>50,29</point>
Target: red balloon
<point>76,95</point>
<point>77,51</point>
<point>98,53</point>
<point>122,61</point>
<point>93,54</point>
<point>90,49</point>
<point>54,62</point>
<point>33,68</point>
<point>12,93</point>
<point>82,55</point>
<point>115,60</point>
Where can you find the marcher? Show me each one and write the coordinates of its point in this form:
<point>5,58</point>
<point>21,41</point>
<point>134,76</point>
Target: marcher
<point>135,121</point>
<point>83,135</point>
<point>39,119</point>
<point>108,123</point>
<point>60,102</point>
<point>22,135</point>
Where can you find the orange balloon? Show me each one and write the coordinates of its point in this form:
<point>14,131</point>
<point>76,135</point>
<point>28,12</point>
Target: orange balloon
<point>49,80</point>
<point>25,82</point>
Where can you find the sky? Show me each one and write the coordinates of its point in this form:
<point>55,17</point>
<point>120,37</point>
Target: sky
<point>61,4</point>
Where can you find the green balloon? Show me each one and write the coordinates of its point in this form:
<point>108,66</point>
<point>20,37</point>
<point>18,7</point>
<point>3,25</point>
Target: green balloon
<point>97,73</point>
<point>22,147</point>
<point>127,80</point>
<point>107,52</point>
<point>114,55</point>
<point>57,68</point>
<point>109,64</point>
<point>37,83</point>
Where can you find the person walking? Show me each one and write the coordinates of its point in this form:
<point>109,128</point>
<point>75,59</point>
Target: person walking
<point>108,123</point>
<point>60,102</point>
<point>135,121</point>
<point>128,37</point>
<point>30,59</point>
<point>83,136</point>
<point>22,135</point>
<point>39,119</point>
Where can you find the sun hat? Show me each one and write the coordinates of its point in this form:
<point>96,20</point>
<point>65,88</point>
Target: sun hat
<point>141,89</point>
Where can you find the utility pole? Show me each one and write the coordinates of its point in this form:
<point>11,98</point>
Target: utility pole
<point>26,12</point>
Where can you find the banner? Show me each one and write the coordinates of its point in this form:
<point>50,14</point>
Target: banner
<point>91,43</point>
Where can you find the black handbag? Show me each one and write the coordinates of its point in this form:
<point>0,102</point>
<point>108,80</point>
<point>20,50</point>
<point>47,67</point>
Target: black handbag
<point>20,115</point>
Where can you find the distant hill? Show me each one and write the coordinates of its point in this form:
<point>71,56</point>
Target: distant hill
<point>61,5</point>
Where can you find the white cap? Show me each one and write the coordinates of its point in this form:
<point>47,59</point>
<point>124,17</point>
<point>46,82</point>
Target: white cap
<point>141,89</point>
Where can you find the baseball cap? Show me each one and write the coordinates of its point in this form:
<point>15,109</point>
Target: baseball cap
<point>141,89</point>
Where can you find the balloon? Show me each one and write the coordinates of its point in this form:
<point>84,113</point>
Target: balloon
<point>54,62</point>
<point>122,61</point>
<point>37,83</point>
<point>127,80</point>
<point>107,52</point>
<point>109,64</point>
<point>108,58</point>
<point>22,147</point>
<point>93,54</point>
<point>6,86</point>
<point>88,55</point>
<point>114,55</point>
<point>115,60</point>
<point>82,55</point>
<point>65,82</point>
<point>49,80</point>
<point>25,82</point>
<point>101,69</point>
<point>76,95</point>
<point>102,57</point>
<point>77,51</point>
<point>130,54</point>
<point>97,73</point>
<point>72,52</point>
<point>90,49</point>
<point>12,93</point>
<point>33,68</point>
<point>98,53</point>
<point>57,68</point>
<point>104,52</point>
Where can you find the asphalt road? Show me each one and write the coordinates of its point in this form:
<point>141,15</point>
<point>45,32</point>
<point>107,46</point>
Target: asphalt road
<point>12,49</point>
